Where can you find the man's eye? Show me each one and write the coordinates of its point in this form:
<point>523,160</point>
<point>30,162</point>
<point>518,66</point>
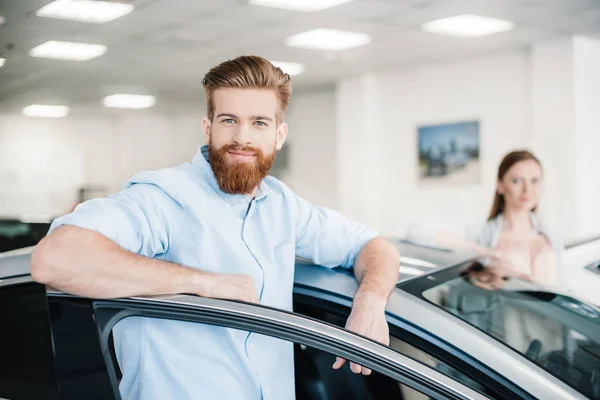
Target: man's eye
<point>260,123</point>
<point>229,121</point>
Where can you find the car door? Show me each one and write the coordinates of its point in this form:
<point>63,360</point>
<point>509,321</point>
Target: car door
<point>49,348</point>
<point>323,341</point>
<point>327,295</point>
<point>26,353</point>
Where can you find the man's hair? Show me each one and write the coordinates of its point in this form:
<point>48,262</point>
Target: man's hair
<point>248,72</point>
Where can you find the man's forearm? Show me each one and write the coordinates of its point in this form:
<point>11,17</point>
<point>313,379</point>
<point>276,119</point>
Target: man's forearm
<point>376,270</point>
<point>86,263</point>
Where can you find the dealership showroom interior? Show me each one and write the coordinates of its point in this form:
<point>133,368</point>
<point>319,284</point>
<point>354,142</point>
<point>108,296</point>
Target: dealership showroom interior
<point>299,199</point>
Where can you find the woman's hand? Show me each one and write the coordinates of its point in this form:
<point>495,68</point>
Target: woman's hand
<point>500,264</point>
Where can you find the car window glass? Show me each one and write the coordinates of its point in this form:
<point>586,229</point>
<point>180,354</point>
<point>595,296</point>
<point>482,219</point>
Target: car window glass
<point>557,332</point>
<point>337,315</point>
<point>17,234</point>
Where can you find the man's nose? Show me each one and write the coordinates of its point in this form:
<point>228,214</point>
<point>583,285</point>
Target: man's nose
<point>242,135</point>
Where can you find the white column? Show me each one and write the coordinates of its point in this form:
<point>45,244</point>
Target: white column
<point>566,132</point>
<point>357,158</point>
<point>587,131</point>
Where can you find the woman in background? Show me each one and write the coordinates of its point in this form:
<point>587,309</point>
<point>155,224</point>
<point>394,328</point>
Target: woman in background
<point>513,241</point>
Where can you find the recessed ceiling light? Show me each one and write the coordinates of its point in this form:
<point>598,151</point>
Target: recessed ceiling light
<point>327,40</point>
<point>70,51</point>
<point>289,67</point>
<point>2,61</point>
<point>46,111</point>
<point>93,11</point>
<point>468,25</point>
<point>135,101</point>
<point>300,5</point>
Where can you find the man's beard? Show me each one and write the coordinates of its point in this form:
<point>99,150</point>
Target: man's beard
<point>239,177</point>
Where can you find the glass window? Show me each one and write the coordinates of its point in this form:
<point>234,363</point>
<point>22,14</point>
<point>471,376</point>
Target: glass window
<point>557,332</point>
<point>17,234</point>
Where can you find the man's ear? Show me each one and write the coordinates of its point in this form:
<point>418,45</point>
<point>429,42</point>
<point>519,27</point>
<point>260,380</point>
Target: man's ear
<point>282,131</point>
<point>206,129</point>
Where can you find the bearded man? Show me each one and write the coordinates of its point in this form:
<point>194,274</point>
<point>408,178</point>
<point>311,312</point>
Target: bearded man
<point>218,227</point>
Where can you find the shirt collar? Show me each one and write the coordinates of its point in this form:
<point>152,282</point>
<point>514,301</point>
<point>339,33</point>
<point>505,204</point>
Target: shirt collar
<point>200,161</point>
<point>535,222</point>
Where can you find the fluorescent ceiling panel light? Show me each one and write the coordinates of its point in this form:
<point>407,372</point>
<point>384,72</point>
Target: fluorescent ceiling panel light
<point>135,101</point>
<point>69,51</point>
<point>300,5</point>
<point>2,61</point>
<point>468,25</point>
<point>92,11</point>
<point>45,111</point>
<point>289,68</point>
<point>417,262</point>
<point>328,40</point>
<point>410,271</point>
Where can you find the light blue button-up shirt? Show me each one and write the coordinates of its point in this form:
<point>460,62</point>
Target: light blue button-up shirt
<point>180,215</point>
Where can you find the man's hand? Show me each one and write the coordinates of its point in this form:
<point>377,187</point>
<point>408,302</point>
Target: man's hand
<point>368,319</point>
<point>376,270</point>
<point>228,287</point>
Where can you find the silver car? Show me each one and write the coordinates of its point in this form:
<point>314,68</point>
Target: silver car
<point>450,338</point>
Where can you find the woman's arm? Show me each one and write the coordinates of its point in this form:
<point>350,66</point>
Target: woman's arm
<point>452,241</point>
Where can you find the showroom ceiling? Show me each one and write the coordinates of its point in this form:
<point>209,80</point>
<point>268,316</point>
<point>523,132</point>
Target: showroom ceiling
<point>164,47</point>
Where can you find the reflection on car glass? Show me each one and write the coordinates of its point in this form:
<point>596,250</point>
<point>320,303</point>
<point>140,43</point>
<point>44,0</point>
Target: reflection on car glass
<point>13,229</point>
<point>16,234</point>
<point>557,332</point>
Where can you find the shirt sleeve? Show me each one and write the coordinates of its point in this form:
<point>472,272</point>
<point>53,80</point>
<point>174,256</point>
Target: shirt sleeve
<point>140,218</point>
<point>327,238</point>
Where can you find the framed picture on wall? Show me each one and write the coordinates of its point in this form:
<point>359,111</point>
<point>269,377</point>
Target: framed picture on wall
<point>449,153</point>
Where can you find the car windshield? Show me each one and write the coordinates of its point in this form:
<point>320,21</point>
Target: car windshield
<point>557,332</point>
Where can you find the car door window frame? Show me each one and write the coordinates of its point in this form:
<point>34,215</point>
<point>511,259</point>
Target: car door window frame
<point>279,324</point>
<point>429,344</point>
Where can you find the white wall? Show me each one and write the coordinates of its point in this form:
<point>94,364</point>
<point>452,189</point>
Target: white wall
<point>313,151</point>
<point>44,161</point>
<point>41,163</point>
<point>154,142</point>
<point>494,90</point>
<point>566,129</point>
<point>353,147</point>
<point>587,128</point>
<point>357,140</point>
<point>553,127</point>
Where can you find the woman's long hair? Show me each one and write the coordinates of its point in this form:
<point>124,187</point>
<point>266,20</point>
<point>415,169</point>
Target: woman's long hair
<point>509,160</point>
